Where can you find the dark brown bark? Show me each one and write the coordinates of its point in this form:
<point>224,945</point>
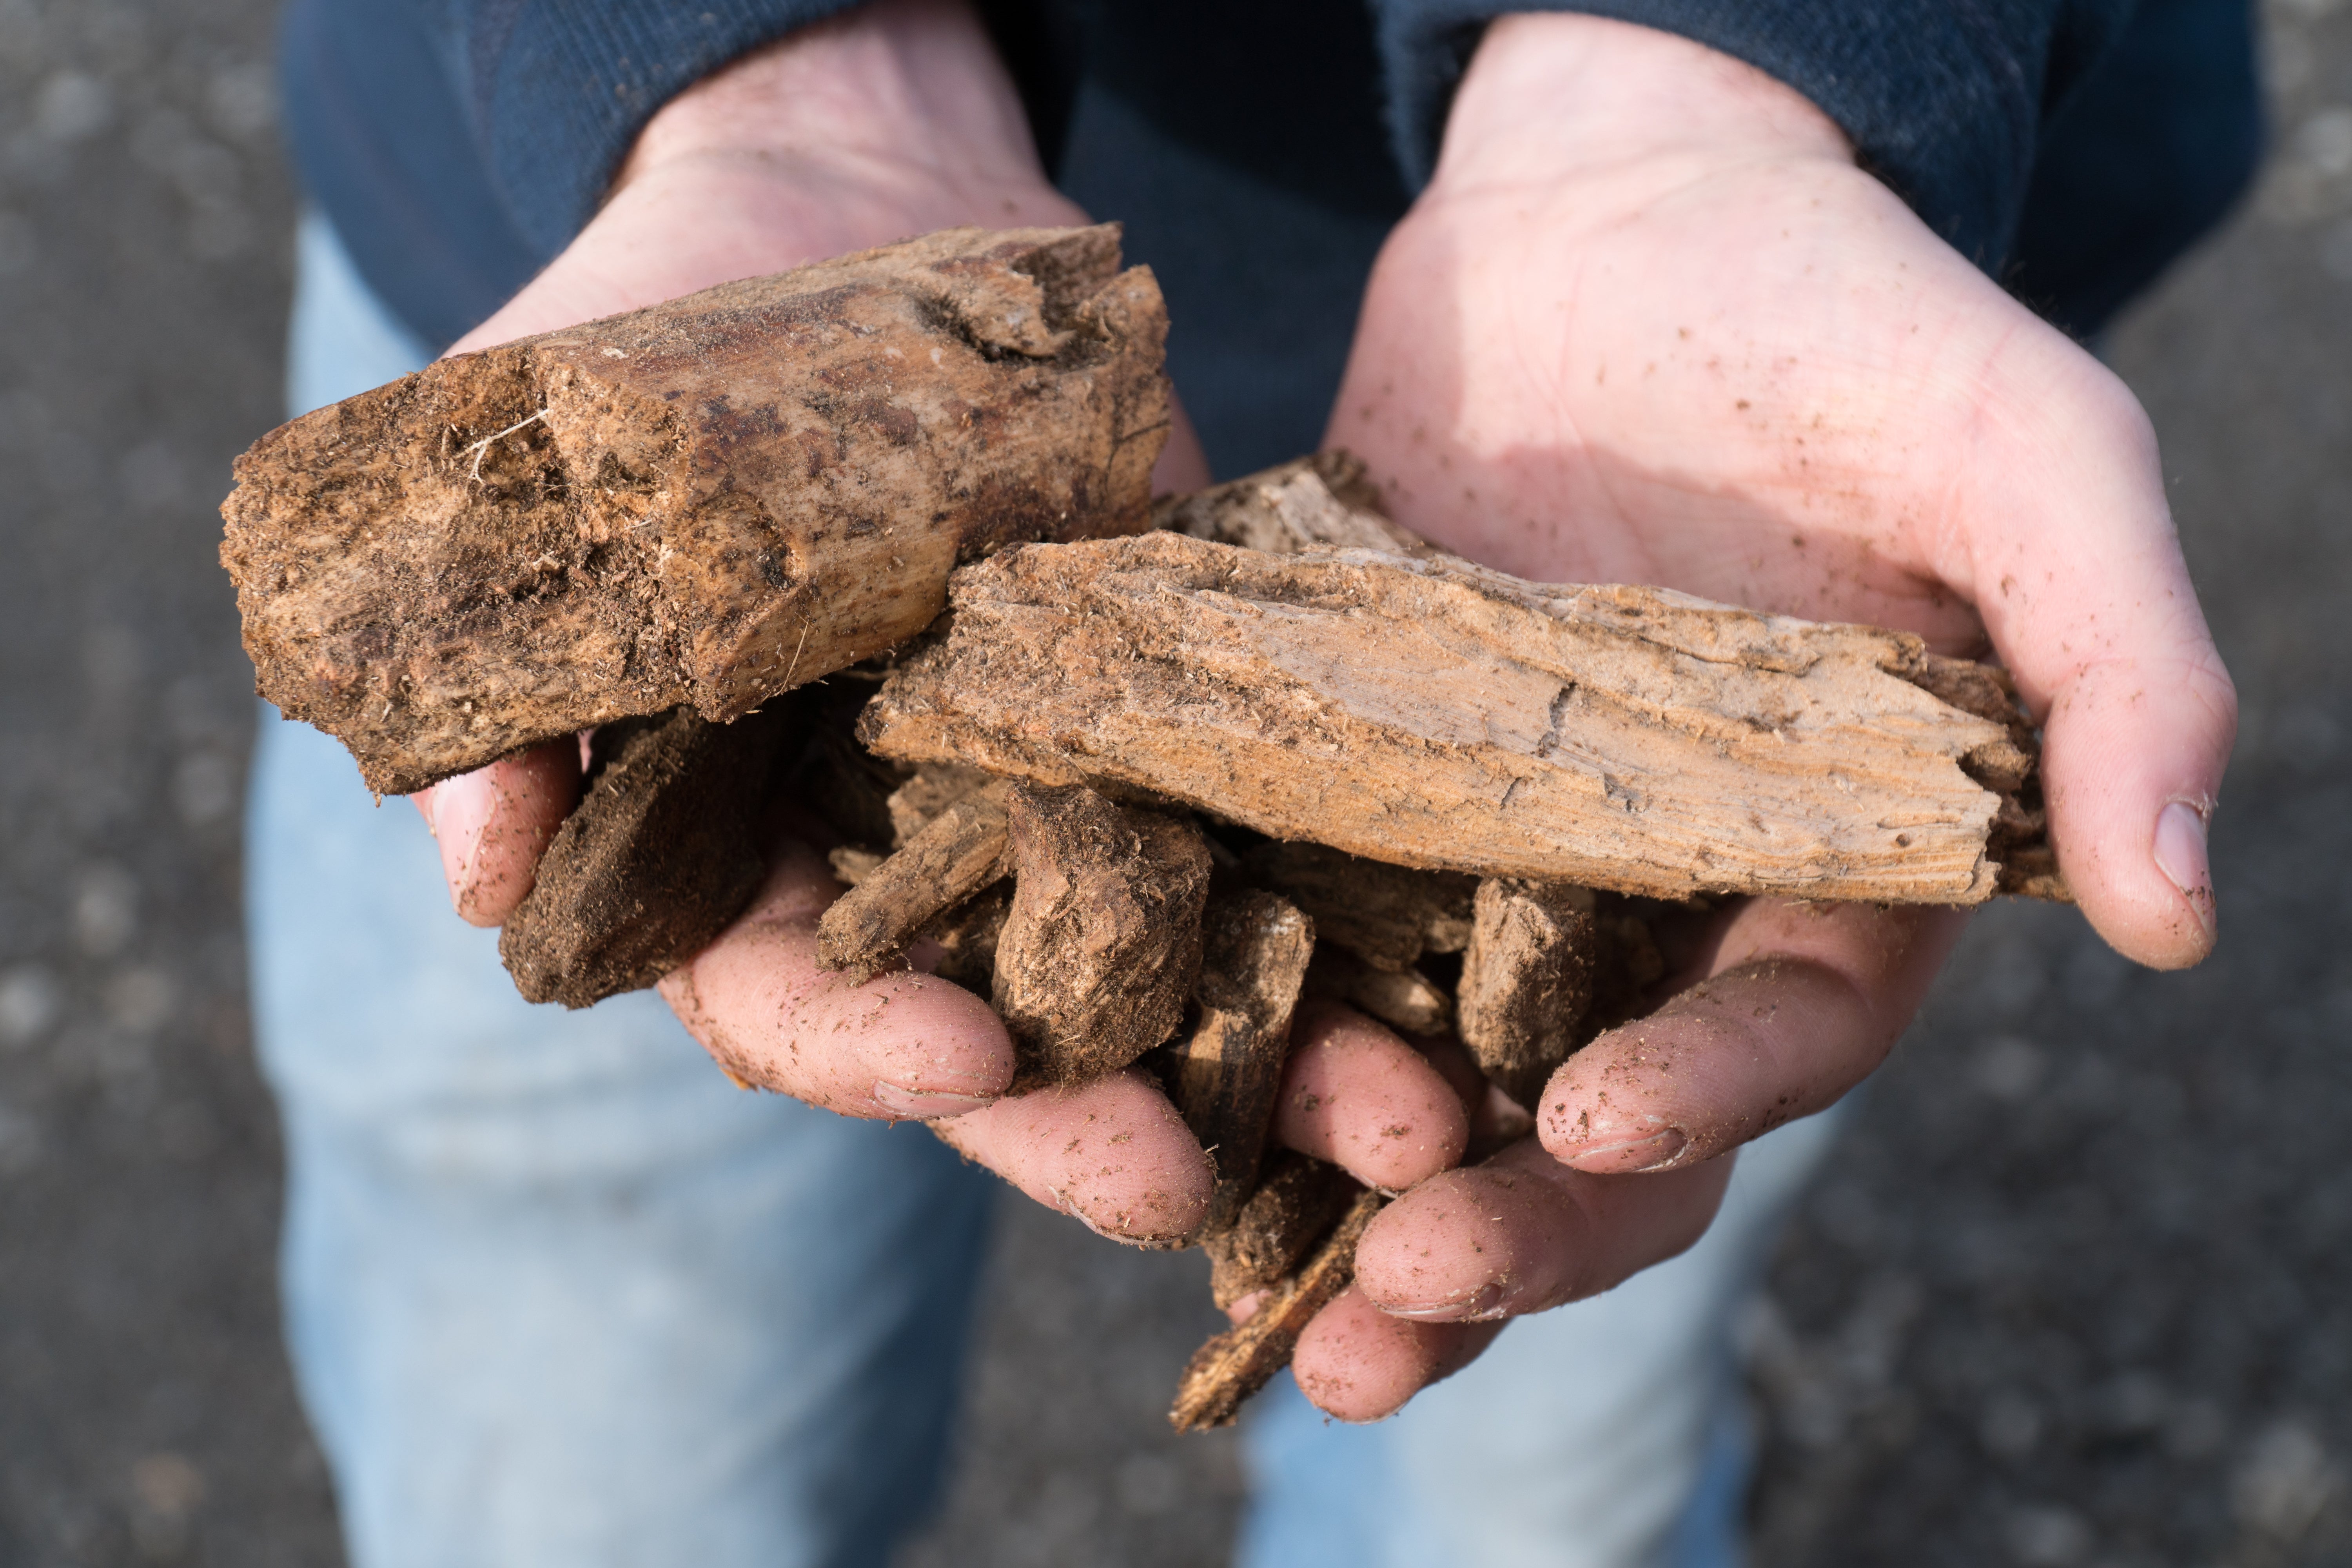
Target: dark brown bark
<point>1386,915</point>
<point>1526,981</point>
<point>662,853</point>
<point>1226,1074</point>
<point>1294,1207</point>
<point>1241,1361</point>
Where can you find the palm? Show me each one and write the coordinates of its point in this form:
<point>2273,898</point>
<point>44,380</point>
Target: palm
<point>1761,382</point>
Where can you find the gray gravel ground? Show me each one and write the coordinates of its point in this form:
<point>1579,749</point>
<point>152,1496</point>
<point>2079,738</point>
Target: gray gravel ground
<point>2073,1295</point>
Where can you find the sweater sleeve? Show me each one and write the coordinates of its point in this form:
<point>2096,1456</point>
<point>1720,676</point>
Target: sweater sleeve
<point>554,91</point>
<point>1944,100</point>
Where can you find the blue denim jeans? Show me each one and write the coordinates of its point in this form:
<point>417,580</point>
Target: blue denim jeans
<point>558,1296</point>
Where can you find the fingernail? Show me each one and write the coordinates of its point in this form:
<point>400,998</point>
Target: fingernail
<point>1655,1153</point>
<point>1479,1306</point>
<point>925,1104</point>
<point>2180,856</point>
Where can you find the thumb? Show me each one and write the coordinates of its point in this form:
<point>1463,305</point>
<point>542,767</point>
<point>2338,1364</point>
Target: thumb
<point>2080,579</point>
<point>494,823</point>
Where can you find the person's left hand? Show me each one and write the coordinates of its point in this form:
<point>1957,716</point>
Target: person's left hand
<point>1650,323</point>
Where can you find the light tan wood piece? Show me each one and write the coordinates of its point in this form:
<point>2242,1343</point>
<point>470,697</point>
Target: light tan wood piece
<point>958,852</point>
<point>701,504</point>
<point>1431,713</point>
<point>1403,999</point>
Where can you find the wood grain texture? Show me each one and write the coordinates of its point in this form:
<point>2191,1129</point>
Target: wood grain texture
<point>701,504</point>
<point>1433,714</point>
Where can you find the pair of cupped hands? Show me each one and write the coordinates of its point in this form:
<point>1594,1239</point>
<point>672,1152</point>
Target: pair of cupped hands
<point>1648,323</point>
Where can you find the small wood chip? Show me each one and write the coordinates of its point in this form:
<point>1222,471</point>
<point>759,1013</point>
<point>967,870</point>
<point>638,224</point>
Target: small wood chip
<point>935,787</point>
<point>961,850</point>
<point>1102,944</point>
<point>661,853</point>
<point>1526,981</point>
<point>1236,1364</point>
<point>1296,1205</point>
<point>1386,915</point>
<point>1403,999</point>
<point>1228,1071</point>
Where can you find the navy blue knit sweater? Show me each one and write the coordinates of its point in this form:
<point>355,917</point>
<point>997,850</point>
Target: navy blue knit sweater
<point>1258,151</point>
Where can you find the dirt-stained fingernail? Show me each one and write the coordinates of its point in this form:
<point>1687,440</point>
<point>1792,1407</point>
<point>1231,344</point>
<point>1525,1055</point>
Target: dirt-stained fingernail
<point>1653,1153</point>
<point>2180,856</point>
<point>1485,1302</point>
<point>925,1104</point>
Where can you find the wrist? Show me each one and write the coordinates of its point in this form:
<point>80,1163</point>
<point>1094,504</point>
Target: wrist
<point>1553,95</point>
<point>909,88</point>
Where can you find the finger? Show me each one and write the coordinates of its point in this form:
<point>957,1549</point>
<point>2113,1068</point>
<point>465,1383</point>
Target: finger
<point>1802,1002</point>
<point>1359,1364</point>
<point>1184,464</point>
<point>904,1045</point>
<point>1357,1095</point>
<point>2078,573</point>
<point>1522,1233</point>
<point>1113,1154</point>
<point>494,823</point>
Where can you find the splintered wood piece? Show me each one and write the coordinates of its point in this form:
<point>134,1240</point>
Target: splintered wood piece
<point>960,851</point>
<point>1386,915</point>
<point>1403,999</point>
<point>1324,501</point>
<point>931,790</point>
<point>1227,1073</point>
<point>700,504</point>
<point>852,865</point>
<point>1526,981</point>
<point>1236,1364</point>
<point>1102,943</point>
<point>661,853</point>
<point>1296,1206</point>
<point>1431,713</point>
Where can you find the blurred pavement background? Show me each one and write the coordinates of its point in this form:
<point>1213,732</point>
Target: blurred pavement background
<point>2078,1293</point>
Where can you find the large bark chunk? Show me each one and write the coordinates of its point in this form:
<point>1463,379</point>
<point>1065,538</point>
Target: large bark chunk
<point>1227,1072</point>
<point>1103,941</point>
<point>700,504</point>
<point>1431,713</point>
<point>1241,1361</point>
<point>662,851</point>
<point>1526,981</point>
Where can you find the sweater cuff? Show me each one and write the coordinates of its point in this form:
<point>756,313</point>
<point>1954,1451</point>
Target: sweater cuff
<point>1943,101</point>
<point>558,90</point>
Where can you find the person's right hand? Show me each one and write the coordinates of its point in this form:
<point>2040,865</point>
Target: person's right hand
<point>894,121</point>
